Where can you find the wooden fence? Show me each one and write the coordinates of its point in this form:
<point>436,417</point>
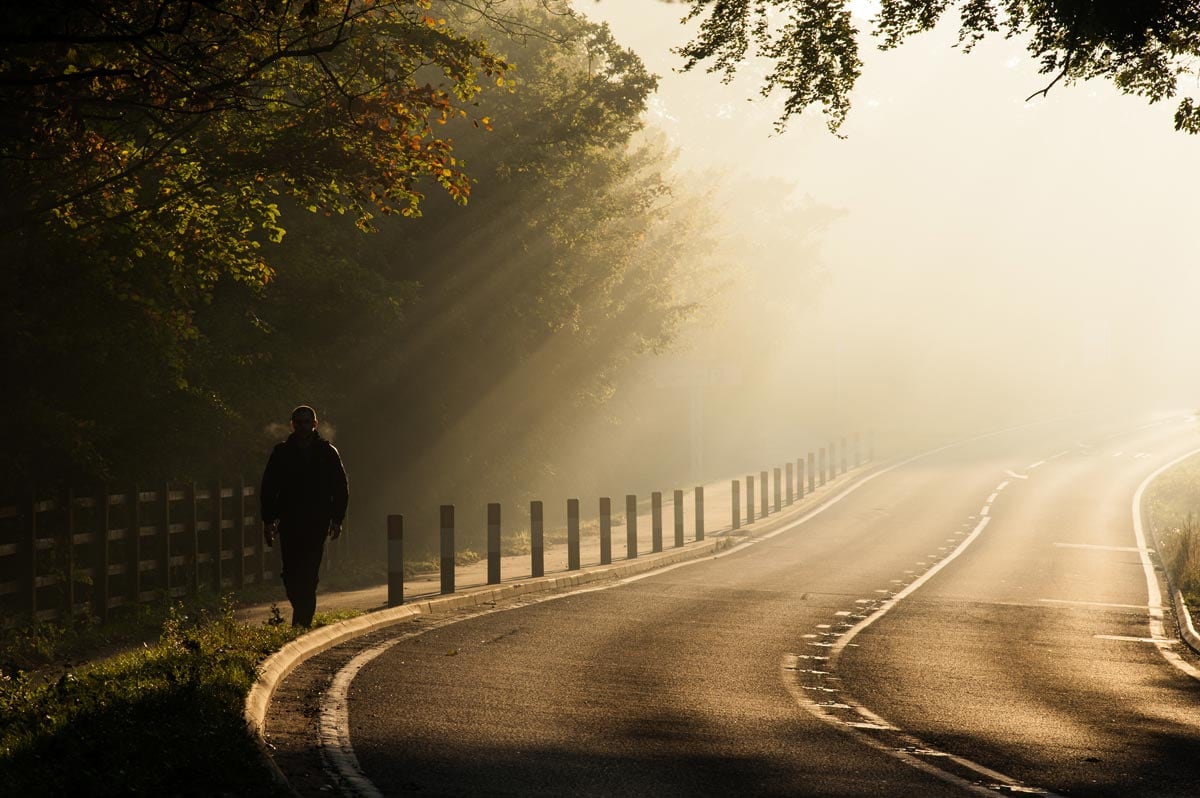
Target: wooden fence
<point>69,552</point>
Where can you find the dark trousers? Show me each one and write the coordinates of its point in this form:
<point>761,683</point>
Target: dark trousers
<point>301,546</point>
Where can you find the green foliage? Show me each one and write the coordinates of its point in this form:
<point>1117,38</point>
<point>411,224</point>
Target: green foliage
<point>152,156</point>
<point>1174,507</point>
<point>152,721</point>
<point>1148,49</point>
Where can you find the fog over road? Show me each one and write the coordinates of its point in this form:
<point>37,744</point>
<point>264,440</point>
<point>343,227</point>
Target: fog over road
<point>1022,661</point>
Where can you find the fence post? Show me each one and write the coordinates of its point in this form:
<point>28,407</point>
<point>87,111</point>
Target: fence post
<point>821,466</point>
<point>812,473</point>
<point>447,547</point>
<point>735,501</point>
<point>395,542</point>
<point>493,544</point>
<point>677,503</point>
<point>261,545</point>
<point>572,534</point>
<point>631,541</point>
<point>779,489</point>
<point>699,521</point>
<point>656,540</point>
<point>843,455</point>
<point>239,526</point>
<point>166,555</point>
<point>789,472</point>
<point>218,521</point>
<point>605,531</point>
<point>70,554</point>
<point>750,498</point>
<point>100,581</point>
<point>763,489</point>
<point>857,450</point>
<point>135,540</point>
<point>537,546</point>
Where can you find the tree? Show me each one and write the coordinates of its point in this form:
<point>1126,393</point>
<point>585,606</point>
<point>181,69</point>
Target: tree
<point>150,150</point>
<point>1146,48</point>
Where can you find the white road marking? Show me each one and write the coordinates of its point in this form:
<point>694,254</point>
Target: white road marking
<point>334,726</point>
<point>1155,603</point>
<point>1161,641</point>
<point>906,753</point>
<point>1118,454</point>
<point>1097,604</point>
<point>1095,546</point>
<point>984,511</point>
<point>1060,454</point>
<point>1032,466</point>
<point>1140,455</point>
<point>1002,485</point>
<point>992,498</point>
<point>1015,475</point>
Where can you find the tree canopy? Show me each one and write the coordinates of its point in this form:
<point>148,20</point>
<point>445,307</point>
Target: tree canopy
<point>1147,48</point>
<point>217,210</point>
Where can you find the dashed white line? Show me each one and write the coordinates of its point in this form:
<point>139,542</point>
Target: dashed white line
<point>992,498</point>
<point>1015,475</point>
<point>1035,465</point>
<point>1002,485</point>
<point>873,722</point>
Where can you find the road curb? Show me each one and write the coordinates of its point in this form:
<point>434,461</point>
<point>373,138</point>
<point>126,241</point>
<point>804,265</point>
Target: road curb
<point>1183,617</point>
<point>279,665</point>
<point>1187,630</point>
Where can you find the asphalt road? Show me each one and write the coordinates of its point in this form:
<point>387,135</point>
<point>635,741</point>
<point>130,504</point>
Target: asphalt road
<point>1020,661</point>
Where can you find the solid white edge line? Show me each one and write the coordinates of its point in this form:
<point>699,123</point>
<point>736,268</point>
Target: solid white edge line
<point>1157,629</point>
<point>845,639</point>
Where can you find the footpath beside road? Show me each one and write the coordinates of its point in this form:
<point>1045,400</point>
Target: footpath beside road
<point>516,567</point>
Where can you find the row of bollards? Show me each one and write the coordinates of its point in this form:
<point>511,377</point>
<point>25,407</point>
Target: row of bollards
<point>536,538</point>
<point>804,478</point>
<point>823,465</point>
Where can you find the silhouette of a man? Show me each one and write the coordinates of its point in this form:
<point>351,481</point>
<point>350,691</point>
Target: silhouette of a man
<point>303,500</point>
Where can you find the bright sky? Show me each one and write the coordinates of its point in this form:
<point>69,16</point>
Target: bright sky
<point>1039,236</point>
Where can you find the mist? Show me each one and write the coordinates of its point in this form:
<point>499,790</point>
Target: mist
<point>961,259</point>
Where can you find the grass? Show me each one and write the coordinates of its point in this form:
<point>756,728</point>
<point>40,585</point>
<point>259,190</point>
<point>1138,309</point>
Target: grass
<point>1174,507</point>
<point>164,719</point>
<point>58,645</point>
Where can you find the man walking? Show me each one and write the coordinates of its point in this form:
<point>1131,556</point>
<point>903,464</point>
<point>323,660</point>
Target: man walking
<point>303,499</point>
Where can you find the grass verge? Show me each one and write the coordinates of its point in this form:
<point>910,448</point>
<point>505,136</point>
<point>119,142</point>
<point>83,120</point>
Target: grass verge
<point>1174,508</point>
<point>165,719</point>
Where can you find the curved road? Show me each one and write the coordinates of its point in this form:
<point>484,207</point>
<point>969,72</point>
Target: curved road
<point>809,663</point>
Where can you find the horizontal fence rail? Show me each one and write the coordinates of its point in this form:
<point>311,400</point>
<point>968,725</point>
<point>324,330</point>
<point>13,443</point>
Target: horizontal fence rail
<point>69,552</point>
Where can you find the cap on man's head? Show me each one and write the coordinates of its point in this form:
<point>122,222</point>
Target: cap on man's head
<point>305,414</point>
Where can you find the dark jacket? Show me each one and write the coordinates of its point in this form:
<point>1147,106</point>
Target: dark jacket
<point>304,484</point>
